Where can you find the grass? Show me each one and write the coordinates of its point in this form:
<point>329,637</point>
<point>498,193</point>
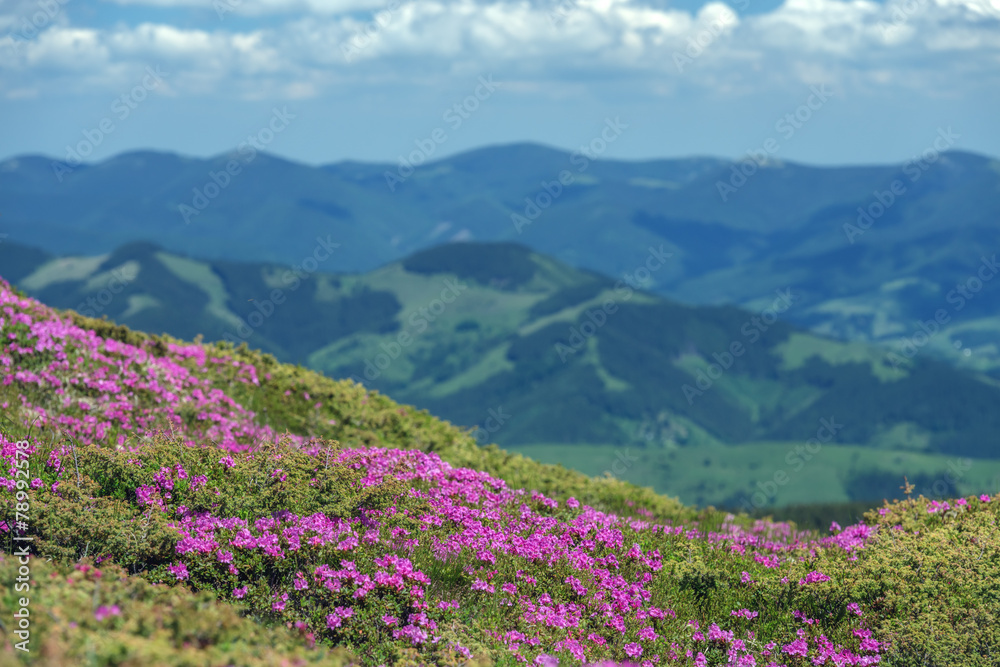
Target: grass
<point>925,582</point>
<point>800,346</point>
<point>732,472</point>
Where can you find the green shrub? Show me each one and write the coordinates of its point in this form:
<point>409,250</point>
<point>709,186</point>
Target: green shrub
<point>87,616</point>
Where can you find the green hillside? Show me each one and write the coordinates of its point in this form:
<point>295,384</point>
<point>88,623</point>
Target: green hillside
<point>575,368</point>
<point>185,504</point>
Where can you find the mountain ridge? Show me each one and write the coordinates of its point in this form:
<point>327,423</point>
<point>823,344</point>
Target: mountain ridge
<point>874,250</point>
<point>571,365</point>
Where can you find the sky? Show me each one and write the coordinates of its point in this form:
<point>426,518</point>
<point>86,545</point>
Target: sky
<point>824,82</point>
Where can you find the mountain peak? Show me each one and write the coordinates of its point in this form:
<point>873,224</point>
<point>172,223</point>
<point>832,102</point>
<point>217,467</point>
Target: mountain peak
<point>507,264</point>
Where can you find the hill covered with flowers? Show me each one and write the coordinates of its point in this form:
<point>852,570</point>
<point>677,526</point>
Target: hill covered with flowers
<point>206,505</point>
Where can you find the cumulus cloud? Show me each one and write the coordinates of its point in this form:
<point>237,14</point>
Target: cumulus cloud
<point>309,47</point>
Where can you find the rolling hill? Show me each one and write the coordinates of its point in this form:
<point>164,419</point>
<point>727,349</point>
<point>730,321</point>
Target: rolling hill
<point>873,251</point>
<point>712,404</point>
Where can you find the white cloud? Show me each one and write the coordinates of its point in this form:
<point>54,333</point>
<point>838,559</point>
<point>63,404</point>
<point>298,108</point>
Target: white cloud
<point>262,7</point>
<point>910,43</point>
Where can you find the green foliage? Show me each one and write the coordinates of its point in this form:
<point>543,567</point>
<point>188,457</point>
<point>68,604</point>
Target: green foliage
<point>934,579</point>
<point>87,616</point>
<point>294,328</point>
<point>569,297</point>
<point>816,516</point>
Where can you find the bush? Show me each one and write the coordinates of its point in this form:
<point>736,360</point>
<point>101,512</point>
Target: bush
<point>96,616</point>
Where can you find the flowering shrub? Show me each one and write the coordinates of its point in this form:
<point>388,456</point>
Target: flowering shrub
<point>144,454</point>
<point>283,398</point>
<point>71,605</point>
<point>383,550</point>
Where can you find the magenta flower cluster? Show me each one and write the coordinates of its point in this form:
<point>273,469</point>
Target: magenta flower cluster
<point>96,389</point>
<point>607,599</point>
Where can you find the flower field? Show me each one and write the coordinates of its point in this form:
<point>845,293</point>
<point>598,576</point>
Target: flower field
<point>272,512</point>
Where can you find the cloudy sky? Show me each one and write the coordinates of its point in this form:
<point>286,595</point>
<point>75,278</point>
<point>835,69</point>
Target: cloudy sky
<point>827,81</point>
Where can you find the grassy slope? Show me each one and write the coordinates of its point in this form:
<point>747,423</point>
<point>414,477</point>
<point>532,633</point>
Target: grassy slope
<point>87,615</point>
<point>623,391</point>
<point>355,416</point>
<point>930,588</point>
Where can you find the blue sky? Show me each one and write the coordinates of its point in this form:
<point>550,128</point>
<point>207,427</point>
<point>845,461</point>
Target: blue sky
<point>858,82</point>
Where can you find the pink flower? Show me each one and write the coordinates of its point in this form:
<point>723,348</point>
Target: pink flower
<point>633,650</point>
<point>239,593</point>
<point>104,612</point>
<point>814,577</point>
<point>179,570</point>
<point>339,615</point>
<point>480,585</point>
<point>797,647</point>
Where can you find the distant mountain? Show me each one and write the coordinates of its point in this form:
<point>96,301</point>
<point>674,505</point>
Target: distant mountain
<point>873,251</point>
<point>713,404</point>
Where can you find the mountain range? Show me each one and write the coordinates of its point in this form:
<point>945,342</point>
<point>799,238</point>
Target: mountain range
<point>873,251</point>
